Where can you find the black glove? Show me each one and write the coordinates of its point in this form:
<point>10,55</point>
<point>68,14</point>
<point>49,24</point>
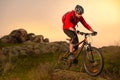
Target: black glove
<point>94,33</point>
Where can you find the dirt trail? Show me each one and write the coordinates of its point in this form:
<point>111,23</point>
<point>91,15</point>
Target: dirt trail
<point>71,75</point>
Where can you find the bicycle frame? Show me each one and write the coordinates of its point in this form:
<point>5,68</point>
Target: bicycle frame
<point>83,42</point>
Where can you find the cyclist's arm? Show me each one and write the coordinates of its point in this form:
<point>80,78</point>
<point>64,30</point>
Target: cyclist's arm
<point>85,24</point>
<point>91,30</point>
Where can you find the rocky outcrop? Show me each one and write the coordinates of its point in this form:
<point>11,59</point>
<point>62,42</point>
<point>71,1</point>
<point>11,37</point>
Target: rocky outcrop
<point>28,48</point>
<point>21,35</point>
<point>10,53</point>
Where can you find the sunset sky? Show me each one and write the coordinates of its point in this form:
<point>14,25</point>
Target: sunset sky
<point>43,17</point>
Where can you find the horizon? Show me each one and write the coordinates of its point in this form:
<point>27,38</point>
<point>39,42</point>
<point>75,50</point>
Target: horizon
<point>44,18</point>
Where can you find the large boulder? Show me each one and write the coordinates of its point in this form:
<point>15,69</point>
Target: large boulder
<point>46,40</point>
<point>39,38</point>
<point>5,39</point>
<point>30,36</point>
<point>21,35</point>
<point>16,36</point>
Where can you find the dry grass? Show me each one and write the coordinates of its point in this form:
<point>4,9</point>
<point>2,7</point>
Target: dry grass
<point>41,67</point>
<point>42,72</point>
<point>112,62</point>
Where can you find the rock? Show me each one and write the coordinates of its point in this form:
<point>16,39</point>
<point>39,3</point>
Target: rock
<point>21,35</point>
<point>16,36</point>
<point>30,36</point>
<point>5,39</point>
<point>46,40</point>
<point>39,38</point>
<point>3,60</point>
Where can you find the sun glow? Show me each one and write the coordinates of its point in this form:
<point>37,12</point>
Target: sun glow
<point>102,15</point>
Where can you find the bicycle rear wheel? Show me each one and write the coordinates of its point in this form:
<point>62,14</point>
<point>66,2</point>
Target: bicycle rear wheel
<point>62,61</point>
<point>93,61</point>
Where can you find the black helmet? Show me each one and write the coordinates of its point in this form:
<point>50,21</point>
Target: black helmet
<point>79,9</point>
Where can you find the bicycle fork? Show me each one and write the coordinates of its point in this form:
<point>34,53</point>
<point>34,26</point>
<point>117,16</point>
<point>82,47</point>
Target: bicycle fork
<point>89,53</point>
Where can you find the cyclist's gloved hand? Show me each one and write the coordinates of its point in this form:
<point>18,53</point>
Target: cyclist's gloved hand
<point>94,33</point>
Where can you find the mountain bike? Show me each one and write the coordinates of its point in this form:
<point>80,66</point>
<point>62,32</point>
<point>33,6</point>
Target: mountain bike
<point>92,59</point>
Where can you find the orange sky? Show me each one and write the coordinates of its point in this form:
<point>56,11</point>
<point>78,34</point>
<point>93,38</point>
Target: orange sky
<point>44,17</point>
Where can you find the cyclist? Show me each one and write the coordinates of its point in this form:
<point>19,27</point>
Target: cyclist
<point>70,20</point>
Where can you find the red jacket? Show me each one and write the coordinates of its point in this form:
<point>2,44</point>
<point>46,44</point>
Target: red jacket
<point>70,20</point>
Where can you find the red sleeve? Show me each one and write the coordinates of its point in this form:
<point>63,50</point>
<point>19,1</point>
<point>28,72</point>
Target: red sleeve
<point>85,24</point>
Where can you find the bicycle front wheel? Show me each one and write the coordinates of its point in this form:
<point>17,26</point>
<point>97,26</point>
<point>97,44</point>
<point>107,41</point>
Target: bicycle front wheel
<point>93,61</point>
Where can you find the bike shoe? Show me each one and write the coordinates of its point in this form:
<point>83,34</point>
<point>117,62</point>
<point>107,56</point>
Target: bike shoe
<point>71,56</point>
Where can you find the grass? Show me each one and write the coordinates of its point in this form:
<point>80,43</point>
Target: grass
<point>26,67</point>
<point>42,72</point>
<point>112,62</point>
<point>40,67</point>
<point>9,44</point>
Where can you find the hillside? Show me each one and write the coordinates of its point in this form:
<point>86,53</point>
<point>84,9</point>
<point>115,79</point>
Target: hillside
<point>111,56</point>
<point>36,61</point>
<point>26,56</point>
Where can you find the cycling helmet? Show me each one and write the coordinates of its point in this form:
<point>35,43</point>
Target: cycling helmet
<point>79,9</point>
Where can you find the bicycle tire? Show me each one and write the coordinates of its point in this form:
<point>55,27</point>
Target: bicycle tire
<point>62,61</point>
<point>93,61</point>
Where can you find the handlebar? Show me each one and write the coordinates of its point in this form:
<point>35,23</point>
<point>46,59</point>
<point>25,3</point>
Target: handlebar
<point>86,34</point>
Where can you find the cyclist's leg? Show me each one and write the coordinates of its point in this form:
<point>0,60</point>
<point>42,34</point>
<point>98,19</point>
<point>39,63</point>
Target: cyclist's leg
<point>71,34</point>
<point>71,47</point>
<point>75,41</point>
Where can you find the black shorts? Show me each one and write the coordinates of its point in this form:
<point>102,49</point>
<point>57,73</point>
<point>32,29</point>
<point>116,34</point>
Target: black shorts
<point>72,35</point>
